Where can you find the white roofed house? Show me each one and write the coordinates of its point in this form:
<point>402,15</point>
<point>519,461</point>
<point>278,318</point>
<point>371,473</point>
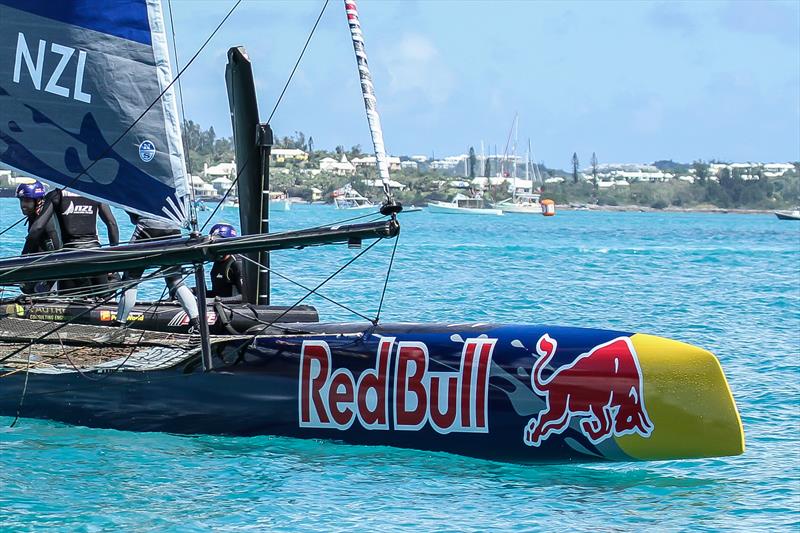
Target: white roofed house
<point>227,170</point>
<point>222,184</point>
<point>342,167</point>
<point>371,161</point>
<point>378,184</point>
<point>201,188</point>
<point>776,170</point>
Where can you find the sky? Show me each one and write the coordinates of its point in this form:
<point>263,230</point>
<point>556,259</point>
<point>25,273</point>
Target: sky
<point>630,81</point>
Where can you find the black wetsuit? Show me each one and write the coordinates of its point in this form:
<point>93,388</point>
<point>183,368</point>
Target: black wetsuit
<point>150,229</point>
<point>226,275</point>
<point>77,220</point>
<point>47,241</point>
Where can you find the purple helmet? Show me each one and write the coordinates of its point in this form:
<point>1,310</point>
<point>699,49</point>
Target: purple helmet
<point>222,230</point>
<point>33,190</point>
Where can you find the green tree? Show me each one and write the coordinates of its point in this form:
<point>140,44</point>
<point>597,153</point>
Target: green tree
<point>700,170</point>
<point>594,168</point>
<point>575,164</point>
<point>473,161</point>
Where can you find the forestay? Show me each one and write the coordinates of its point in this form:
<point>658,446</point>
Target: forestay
<point>74,76</point>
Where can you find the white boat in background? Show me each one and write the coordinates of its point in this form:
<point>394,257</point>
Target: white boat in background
<point>463,205</point>
<point>527,203</point>
<point>278,201</point>
<point>523,199</point>
<point>349,198</point>
<point>788,215</point>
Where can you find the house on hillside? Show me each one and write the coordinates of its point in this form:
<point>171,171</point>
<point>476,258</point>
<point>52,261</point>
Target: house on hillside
<point>371,161</point>
<point>221,186</point>
<point>283,155</point>
<point>343,167</point>
<point>201,188</point>
<point>378,184</point>
<point>227,170</point>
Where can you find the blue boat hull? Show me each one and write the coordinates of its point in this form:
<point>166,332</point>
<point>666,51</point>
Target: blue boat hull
<point>524,394</point>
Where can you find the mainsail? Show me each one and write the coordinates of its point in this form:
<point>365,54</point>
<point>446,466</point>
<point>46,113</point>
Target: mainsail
<point>85,102</point>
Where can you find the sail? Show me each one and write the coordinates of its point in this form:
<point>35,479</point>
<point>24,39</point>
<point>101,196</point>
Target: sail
<point>75,78</point>
<point>368,91</point>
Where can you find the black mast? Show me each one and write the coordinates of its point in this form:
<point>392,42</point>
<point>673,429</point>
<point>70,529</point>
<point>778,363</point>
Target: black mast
<point>253,144</point>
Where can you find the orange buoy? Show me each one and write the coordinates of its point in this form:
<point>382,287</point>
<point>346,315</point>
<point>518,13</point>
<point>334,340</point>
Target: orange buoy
<point>548,208</point>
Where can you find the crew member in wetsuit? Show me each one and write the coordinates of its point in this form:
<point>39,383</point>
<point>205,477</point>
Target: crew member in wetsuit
<point>31,202</point>
<point>151,229</point>
<point>77,220</point>
<point>226,273</point>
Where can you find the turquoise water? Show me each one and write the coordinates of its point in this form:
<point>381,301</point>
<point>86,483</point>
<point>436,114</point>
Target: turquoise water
<point>728,283</point>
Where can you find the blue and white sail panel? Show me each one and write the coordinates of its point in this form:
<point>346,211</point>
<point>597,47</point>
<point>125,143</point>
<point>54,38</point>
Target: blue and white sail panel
<point>74,76</point>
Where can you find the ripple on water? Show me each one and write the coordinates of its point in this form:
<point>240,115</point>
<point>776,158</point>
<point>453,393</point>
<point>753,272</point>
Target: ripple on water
<point>729,283</point>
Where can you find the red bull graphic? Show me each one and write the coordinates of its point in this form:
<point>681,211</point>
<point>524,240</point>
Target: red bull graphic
<point>614,408</point>
<point>448,401</point>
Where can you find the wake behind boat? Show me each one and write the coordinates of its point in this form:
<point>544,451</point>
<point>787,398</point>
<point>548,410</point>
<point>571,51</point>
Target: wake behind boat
<point>522,393</point>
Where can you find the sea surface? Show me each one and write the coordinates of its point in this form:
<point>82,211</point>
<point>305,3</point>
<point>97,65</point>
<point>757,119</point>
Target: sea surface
<point>729,283</point>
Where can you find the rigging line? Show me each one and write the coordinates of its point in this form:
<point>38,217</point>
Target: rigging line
<point>24,388</point>
<point>331,300</point>
<point>53,295</point>
<point>68,322</point>
<point>255,319</point>
<point>310,35</point>
<point>386,280</point>
<point>12,225</point>
<point>93,250</point>
<point>184,140</point>
<point>154,102</point>
<point>312,291</point>
<point>66,353</point>
<point>286,86</point>
<point>225,196</point>
<point>108,374</point>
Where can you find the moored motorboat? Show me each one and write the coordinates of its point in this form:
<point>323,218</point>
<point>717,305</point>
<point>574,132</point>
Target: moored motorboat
<point>788,215</point>
<point>462,205</point>
<point>524,203</point>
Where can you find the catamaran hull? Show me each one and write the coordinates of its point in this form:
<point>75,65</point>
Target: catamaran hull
<point>524,394</point>
<point>224,317</point>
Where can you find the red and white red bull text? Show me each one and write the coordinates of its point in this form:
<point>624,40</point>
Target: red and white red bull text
<point>448,401</point>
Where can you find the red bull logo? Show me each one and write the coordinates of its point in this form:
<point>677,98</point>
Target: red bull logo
<point>454,401</point>
<point>612,403</point>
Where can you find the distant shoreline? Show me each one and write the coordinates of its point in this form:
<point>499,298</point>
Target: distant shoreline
<point>671,209</point>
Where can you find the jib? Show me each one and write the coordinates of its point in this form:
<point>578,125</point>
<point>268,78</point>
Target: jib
<point>455,401</point>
